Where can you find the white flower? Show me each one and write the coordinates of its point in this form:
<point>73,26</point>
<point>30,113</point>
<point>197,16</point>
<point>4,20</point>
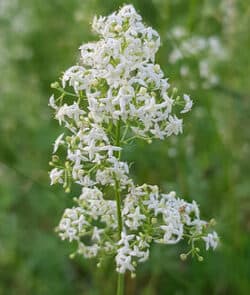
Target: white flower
<point>124,262</point>
<point>56,176</point>
<point>96,236</point>
<point>71,234</point>
<point>58,142</point>
<point>174,126</point>
<point>91,194</point>
<point>64,224</point>
<point>88,251</point>
<point>211,240</point>
<point>135,219</point>
<point>70,111</point>
<point>75,76</point>
<point>172,235</point>
<point>80,222</point>
<point>52,102</point>
<point>125,239</point>
<point>188,105</point>
<point>153,202</point>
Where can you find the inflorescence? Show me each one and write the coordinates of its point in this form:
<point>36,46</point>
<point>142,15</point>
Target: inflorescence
<point>114,95</point>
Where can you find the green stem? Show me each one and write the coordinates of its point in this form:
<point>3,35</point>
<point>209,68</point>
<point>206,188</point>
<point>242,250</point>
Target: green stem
<point>118,206</point>
<point>120,278</point>
<point>120,284</point>
<point>117,136</point>
<point>66,92</point>
<point>192,14</point>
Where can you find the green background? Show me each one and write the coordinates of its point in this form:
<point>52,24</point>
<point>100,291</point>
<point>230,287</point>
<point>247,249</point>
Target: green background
<point>38,41</point>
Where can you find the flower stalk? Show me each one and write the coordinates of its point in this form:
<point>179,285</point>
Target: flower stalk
<point>120,276</point>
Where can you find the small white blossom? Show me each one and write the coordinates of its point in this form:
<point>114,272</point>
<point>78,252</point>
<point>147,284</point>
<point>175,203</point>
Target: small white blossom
<point>135,219</point>
<point>188,103</point>
<point>52,102</point>
<point>96,236</point>
<point>70,111</point>
<point>58,142</point>
<point>211,240</point>
<point>56,176</point>
<point>174,126</point>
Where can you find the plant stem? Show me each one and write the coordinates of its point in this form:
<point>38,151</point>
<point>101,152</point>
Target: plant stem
<point>118,206</point>
<point>120,284</point>
<point>117,136</point>
<point>120,278</point>
<point>192,14</point>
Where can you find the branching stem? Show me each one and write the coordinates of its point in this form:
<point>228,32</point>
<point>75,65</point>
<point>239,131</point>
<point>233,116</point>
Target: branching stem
<point>120,278</point>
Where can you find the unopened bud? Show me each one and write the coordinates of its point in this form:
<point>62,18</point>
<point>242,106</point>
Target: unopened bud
<point>55,85</point>
<point>55,158</point>
<point>183,256</point>
<point>143,91</point>
<point>151,44</point>
<point>212,222</point>
<point>94,82</point>
<point>153,220</point>
<point>68,139</point>
<point>157,68</point>
<point>118,28</point>
<point>133,275</point>
<point>175,90</point>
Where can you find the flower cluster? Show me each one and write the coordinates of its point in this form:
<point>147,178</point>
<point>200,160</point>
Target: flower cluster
<point>199,53</point>
<point>114,95</point>
<point>119,79</point>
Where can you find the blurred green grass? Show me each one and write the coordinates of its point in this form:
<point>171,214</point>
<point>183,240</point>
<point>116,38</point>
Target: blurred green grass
<point>210,163</point>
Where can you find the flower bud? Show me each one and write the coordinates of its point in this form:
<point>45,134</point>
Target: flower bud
<point>153,220</point>
<point>72,255</point>
<point>55,85</point>
<point>142,91</point>
<point>118,28</point>
<point>133,275</point>
<point>183,256</point>
<point>157,68</point>
<point>55,158</point>
<point>67,190</point>
<point>212,222</point>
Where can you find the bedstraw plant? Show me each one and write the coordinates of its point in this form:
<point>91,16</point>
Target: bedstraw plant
<point>113,96</point>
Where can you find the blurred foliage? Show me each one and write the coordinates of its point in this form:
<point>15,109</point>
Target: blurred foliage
<point>208,163</point>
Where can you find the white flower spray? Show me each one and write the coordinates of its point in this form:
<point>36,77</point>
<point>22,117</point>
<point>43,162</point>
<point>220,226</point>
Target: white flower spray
<point>198,56</point>
<point>114,95</point>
